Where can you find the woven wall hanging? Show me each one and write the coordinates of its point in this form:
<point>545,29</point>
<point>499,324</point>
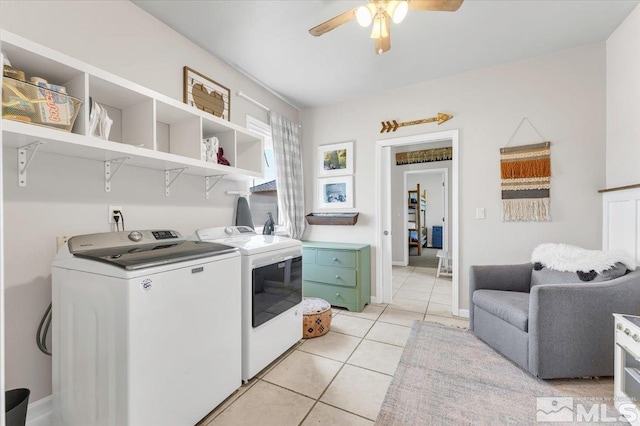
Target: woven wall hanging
<point>526,182</point>
<point>424,156</point>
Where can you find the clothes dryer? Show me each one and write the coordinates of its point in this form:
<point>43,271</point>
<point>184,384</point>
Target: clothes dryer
<point>271,293</point>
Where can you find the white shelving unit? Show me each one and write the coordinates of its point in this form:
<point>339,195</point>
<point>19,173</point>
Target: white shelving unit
<point>149,129</point>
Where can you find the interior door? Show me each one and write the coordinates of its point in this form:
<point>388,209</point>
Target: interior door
<point>386,246</point>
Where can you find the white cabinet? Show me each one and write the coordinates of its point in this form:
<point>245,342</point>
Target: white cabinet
<point>149,129</point>
<point>626,387</point>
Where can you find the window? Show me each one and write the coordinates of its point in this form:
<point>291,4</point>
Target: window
<point>264,194</point>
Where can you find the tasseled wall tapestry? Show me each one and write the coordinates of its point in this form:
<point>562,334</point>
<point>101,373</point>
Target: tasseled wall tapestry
<point>526,180</point>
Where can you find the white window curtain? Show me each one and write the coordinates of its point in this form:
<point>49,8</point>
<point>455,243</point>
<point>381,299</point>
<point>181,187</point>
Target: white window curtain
<point>288,156</point>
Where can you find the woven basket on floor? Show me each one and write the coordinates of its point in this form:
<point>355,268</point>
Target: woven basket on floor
<point>316,317</point>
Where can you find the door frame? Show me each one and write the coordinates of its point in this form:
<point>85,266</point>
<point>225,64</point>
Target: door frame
<point>445,226</point>
<point>384,290</point>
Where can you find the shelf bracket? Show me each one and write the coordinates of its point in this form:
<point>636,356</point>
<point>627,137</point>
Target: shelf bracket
<point>167,178</point>
<point>108,174</point>
<point>207,186</point>
<point>24,160</point>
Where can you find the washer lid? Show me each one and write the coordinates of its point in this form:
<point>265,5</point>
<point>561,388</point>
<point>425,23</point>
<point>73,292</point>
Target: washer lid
<point>149,255</point>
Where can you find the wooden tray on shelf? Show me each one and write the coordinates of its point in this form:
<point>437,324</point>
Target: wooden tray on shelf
<point>332,218</point>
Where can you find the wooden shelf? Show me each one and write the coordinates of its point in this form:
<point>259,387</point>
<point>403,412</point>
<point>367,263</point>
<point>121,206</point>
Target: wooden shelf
<point>417,215</point>
<point>619,188</point>
<point>332,218</point>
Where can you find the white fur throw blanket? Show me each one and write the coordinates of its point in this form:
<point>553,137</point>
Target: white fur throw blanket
<point>567,258</point>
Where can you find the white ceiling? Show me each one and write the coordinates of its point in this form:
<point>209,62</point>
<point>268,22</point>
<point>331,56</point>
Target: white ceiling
<point>269,40</point>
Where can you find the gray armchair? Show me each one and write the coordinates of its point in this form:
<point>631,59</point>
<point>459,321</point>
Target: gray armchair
<point>550,330</point>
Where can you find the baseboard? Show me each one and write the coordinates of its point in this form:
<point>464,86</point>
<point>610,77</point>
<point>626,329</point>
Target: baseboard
<point>464,313</point>
<point>398,263</point>
<point>40,408</point>
<point>374,299</point>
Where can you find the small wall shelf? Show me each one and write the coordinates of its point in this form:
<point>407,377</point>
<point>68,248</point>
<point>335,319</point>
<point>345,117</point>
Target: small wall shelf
<point>332,218</point>
<point>151,130</point>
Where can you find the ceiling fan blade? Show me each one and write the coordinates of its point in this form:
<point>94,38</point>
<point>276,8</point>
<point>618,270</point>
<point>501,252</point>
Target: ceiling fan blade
<point>435,5</point>
<point>383,44</point>
<point>334,22</point>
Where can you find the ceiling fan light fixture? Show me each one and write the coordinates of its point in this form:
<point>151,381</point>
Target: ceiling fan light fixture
<point>398,10</point>
<point>379,29</point>
<point>364,16</point>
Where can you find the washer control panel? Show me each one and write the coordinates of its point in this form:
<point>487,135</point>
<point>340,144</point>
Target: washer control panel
<point>164,235</point>
<point>106,240</point>
<point>224,232</point>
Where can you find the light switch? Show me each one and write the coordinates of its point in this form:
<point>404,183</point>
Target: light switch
<point>480,213</point>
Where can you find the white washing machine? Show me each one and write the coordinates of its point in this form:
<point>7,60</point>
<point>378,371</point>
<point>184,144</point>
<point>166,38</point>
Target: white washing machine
<point>271,293</point>
<point>146,329</point>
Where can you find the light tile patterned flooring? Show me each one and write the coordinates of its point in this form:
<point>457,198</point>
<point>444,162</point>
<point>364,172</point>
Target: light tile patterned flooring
<point>342,377</point>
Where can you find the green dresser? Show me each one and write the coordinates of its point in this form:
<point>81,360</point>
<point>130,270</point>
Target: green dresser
<point>339,273</point>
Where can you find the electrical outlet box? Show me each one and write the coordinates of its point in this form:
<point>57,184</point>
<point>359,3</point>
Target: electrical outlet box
<point>61,241</point>
<point>480,213</point>
<point>110,212</point>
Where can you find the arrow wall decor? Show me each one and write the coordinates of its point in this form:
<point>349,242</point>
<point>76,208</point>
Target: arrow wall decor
<point>392,126</point>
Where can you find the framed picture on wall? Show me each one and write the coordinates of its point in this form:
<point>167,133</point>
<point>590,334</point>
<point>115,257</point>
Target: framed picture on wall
<point>206,94</point>
<point>335,193</point>
<point>335,159</point>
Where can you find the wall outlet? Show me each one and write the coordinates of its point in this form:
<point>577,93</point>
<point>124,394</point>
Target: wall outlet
<point>61,241</point>
<point>110,213</point>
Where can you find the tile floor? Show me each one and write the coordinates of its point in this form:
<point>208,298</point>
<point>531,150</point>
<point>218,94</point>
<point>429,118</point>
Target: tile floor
<point>342,377</point>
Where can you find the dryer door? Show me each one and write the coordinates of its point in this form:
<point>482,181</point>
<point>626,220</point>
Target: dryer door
<point>277,287</point>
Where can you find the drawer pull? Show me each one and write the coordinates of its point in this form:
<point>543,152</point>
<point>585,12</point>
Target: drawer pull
<point>337,294</point>
<point>337,277</point>
<point>335,259</point>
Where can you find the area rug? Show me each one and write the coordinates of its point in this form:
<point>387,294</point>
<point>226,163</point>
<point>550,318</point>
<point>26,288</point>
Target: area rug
<point>447,376</point>
<point>427,260</point>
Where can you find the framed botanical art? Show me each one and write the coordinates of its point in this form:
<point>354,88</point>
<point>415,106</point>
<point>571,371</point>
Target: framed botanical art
<point>335,192</point>
<point>206,94</point>
<point>335,159</point>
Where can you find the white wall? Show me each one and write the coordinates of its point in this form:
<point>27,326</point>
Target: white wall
<point>623,103</point>
<point>562,94</point>
<point>66,195</point>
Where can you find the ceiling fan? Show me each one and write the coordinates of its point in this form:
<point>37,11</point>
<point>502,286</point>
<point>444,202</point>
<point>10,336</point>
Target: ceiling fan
<point>380,12</point>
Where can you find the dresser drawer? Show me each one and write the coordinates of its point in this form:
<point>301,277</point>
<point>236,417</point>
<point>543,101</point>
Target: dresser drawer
<point>308,256</point>
<point>346,259</point>
<point>329,275</point>
<point>336,296</point>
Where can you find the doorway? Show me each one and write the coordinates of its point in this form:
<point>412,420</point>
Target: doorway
<point>384,289</point>
<point>434,192</point>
